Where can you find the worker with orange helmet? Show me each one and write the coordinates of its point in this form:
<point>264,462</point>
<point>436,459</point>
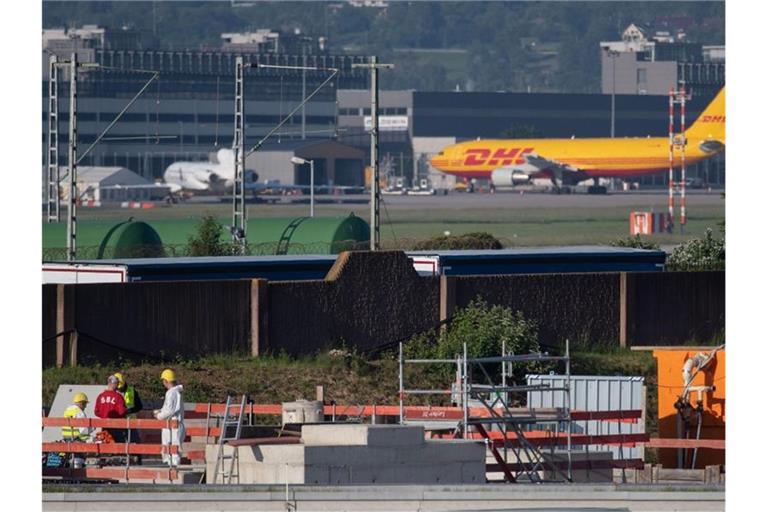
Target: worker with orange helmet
<point>173,409</point>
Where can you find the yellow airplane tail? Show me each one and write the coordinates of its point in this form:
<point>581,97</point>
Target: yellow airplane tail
<point>710,125</point>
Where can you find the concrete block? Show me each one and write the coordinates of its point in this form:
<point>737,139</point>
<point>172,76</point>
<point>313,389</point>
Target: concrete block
<point>274,453</point>
<point>362,435</point>
<point>472,473</point>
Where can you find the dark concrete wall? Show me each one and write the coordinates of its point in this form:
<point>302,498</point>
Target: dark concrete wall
<point>578,307</point>
<point>367,300</point>
<point>49,324</point>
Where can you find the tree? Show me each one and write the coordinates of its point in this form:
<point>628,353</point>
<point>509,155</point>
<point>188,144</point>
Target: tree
<point>206,241</point>
<point>484,328</point>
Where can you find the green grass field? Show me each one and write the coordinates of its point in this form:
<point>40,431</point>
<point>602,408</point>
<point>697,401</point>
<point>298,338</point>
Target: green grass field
<point>530,220</point>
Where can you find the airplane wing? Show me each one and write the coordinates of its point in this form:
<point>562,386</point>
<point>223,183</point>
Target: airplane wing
<point>560,171</point>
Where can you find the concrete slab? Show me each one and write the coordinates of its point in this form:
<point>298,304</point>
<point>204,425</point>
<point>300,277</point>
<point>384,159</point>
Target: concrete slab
<point>438,461</point>
<point>362,435</point>
<point>574,497</point>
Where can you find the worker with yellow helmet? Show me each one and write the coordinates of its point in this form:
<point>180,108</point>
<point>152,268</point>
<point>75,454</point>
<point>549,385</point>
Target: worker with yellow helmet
<point>173,409</point>
<point>77,434</point>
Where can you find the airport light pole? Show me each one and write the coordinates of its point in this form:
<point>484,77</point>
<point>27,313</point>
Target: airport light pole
<point>374,66</point>
<point>300,161</point>
<point>613,55</point>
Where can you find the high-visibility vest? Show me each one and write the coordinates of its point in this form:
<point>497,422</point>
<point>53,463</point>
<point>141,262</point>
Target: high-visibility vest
<point>130,399</point>
<point>73,433</point>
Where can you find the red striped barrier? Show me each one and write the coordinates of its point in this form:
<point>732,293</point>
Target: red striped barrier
<point>111,448</point>
<point>715,444</point>
<point>114,473</point>
<point>411,412</point>
<point>576,464</point>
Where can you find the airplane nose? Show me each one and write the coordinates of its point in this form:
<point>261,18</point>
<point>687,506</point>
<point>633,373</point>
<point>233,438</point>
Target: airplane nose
<point>439,161</point>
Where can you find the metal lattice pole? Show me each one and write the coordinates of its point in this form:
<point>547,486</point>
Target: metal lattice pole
<point>72,153</point>
<point>239,218</point>
<point>54,177</point>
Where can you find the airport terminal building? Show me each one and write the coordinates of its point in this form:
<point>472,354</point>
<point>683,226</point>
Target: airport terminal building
<point>188,114</point>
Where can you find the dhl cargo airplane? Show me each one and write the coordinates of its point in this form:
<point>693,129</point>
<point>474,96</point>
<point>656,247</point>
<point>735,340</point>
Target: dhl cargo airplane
<point>509,162</point>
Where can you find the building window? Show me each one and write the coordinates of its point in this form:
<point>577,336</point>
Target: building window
<point>642,76</point>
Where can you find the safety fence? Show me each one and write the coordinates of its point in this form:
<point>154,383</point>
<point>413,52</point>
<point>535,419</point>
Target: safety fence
<point>203,419</point>
<point>168,472</point>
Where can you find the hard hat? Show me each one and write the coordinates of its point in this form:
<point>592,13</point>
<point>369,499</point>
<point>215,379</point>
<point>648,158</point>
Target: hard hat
<point>79,397</point>
<point>168,375</point>
<point>120,378</point>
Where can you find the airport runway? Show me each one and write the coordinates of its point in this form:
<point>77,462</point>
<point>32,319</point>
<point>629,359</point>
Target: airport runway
<point>653,198</point>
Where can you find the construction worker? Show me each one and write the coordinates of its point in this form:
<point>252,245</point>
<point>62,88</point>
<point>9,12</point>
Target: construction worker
<point>130,395</point>
<point>77,434</point>
<point>110,404</point>
<point>173,409</point>
<point>133,405</point>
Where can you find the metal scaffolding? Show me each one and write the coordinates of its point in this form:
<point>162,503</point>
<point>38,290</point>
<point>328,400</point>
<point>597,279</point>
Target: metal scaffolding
<point>519,459</point>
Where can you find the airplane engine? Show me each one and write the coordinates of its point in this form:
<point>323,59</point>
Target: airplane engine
<point>510,177</point>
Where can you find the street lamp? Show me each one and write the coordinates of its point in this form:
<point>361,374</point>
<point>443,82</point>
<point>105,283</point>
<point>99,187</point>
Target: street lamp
<point>300,161</point>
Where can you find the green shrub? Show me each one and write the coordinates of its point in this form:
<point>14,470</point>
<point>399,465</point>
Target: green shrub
<point>635,242</point>
<point>706,253</point>
<point>207,240</point>
<point>478,240</point>
<point>483,328</point>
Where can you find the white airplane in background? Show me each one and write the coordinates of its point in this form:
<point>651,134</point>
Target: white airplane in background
<point>219,177</point>
<point>216,177</point>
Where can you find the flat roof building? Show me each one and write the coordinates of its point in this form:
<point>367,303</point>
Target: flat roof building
<point>639,64</point>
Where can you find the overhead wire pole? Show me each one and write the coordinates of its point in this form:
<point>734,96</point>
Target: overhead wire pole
<point>374,66</point>
<point>239,216</point>
<point>54,174</point>
<point>72,158</point>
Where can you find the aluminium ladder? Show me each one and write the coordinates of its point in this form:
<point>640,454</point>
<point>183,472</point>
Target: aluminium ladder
<point>228,421</point>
